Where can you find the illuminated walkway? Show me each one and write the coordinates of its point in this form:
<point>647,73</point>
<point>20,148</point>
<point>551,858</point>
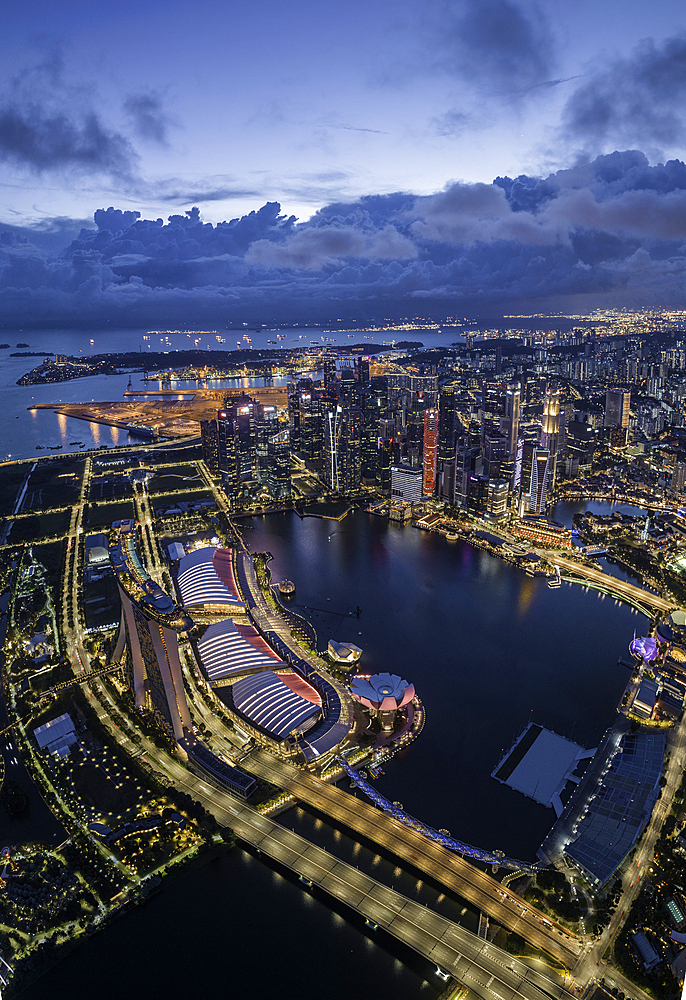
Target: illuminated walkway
<point>642,599</point>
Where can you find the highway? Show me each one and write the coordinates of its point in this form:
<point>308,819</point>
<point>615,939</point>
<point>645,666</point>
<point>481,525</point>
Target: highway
<point>445,867</point>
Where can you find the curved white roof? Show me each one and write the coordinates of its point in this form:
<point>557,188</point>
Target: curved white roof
<point>267,702</point>
<point>226,650</point>
<point>206,577</point>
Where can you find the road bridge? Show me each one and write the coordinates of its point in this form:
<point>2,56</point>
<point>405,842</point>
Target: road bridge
<point>445,867</point>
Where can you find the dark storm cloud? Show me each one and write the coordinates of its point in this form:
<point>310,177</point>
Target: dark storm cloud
<point>43,139</point>
<point>496,44</point>
<point>148,116</point>
<point>639,99</point>
<point>47,125</point>
<point>611,231</point>
<point>191,195</point>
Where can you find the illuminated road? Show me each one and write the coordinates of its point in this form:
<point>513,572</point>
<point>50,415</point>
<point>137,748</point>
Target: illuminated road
<point>446,867</point>
<point>612,584</point>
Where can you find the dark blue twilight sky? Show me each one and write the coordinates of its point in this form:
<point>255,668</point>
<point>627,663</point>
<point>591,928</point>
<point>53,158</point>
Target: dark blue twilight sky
<point>309,160</point>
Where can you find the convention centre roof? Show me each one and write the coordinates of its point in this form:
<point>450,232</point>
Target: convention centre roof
<point>206,577</point>
<point>227,650</point>
<point>265,701</point>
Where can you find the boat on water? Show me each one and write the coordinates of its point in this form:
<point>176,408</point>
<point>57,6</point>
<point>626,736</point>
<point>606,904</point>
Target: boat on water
<point>54,447</point>
<point>40,447</point>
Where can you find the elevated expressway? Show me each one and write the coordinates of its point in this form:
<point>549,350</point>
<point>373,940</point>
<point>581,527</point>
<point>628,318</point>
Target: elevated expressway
<point>445,867</point>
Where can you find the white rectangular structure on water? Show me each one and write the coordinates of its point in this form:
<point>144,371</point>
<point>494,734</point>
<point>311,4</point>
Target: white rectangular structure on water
<point>539,765</point>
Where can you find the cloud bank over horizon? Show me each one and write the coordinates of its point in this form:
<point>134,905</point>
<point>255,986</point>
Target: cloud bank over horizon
<point>608,232</point>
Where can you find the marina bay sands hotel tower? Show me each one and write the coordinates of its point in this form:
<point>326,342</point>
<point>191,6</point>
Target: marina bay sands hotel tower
<point>149,630</point>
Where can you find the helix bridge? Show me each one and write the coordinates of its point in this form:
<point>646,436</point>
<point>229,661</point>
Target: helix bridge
<point>441,837</point>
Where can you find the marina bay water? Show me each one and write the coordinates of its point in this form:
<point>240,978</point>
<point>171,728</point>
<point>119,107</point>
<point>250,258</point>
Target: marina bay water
<point>487,648</point>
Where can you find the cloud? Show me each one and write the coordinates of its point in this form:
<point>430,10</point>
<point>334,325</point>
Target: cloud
<point>607,232</point>
<point>46,125</point>
<point>148,116</point>
<point>639,99</point>
<point>494,44</point>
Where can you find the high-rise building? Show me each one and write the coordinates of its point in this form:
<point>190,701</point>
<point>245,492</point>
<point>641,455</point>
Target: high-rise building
<point>266,424</point>
<point>279,465</point>
<point>465,465</point>
<point>495,454</point>
<point>550,429</point>
<point>311,430</point>
<point>209,436</point>
<point>343,448</point>
<point>148,633</point>
<point>374,410</point>
<point>617,405</point>
<point>236,434</point>
<point>536,478</point>
<point>406,483</point>
<point>384,461</point>
<point>447,416</point>
<point>579,447</point>
<point>510,425</point>
<point>329,369</point>
<point>430,457</point>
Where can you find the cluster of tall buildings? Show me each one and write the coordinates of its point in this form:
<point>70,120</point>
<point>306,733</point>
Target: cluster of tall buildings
<point>247,447</point>
<point>407,437</point>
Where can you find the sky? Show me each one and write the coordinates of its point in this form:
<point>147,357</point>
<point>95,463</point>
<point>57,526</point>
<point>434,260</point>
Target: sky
<point>309,161</point>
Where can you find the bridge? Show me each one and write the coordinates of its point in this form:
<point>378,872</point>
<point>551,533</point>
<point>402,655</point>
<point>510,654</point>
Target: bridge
<point>642,600</point>
<point>411,846</point>
<point>485,969</point>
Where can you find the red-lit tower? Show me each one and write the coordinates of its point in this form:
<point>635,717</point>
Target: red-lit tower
<point>430,450</point>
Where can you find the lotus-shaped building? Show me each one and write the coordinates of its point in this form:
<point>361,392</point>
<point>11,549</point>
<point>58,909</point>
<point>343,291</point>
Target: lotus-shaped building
<point>382,692</point>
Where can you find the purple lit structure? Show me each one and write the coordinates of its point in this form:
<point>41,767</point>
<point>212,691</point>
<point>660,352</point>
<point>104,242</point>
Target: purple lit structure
<point>382,692</point>
<point>644,647</point>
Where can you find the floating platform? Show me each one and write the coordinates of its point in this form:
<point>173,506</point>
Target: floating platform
<point>539,764</point>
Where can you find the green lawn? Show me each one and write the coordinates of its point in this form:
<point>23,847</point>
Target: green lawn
<point>102,515</point>
<point>25,529</point>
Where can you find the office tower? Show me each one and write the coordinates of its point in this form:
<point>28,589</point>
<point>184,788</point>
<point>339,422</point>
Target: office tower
<point>279,465</point>
<point>495,454</point>
<point>492,407</point>
<point>430,450</point>
<point>374,409</point>
<point>266,424</point>
<point>550,429</point>
<point>617,403</point>
<point>510,425</point>
<point>236,434</point>
<point>447,416</point>
<point>209,435</point>
<point>384,461</point>
<point>406,483</point>
<point>496,500</point>
<point>536,478</point>
<point>329,370</point>
<point>347,387</point>
<point>150,625</point>
<point>311,430</point>
<point>343,448</point>
<point>363,371</point>
<point>465,464</point>
<point>679,478</point>
<point>498,359</point>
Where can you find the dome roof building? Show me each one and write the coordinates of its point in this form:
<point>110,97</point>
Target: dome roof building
<point>382,692</point>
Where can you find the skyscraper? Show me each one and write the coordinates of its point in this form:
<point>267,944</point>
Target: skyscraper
<point>430,451</point>
<point>150,625</point>
<point>343,448</point>
<point>617,404</point>
<point>266,424</point>
<point>279,465</point>
<point>535,479</point>
<point>209,436</point>
<point>447,409</point>
<point>550,429</point>
<point>510,426</point>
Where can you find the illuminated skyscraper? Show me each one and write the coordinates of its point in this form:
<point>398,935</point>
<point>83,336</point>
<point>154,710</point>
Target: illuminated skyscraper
<point>279,465</point>
<point>536,478</point>
<point>510,425</point>
<point>617,404</point>
<point>447,408</point>
<point>550,429</point>
<point>266,424</point>
<point>430,450</point>
<point>150,625</point>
